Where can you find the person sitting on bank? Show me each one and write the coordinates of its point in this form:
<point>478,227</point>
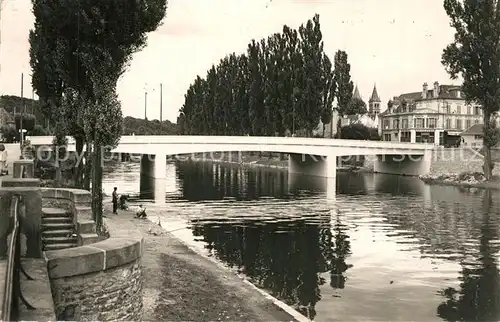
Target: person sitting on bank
<point>141,212</point>
<point>123,202</point>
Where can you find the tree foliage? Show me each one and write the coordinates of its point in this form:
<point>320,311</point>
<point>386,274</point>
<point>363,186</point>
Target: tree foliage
<point>475,56</point>
<point>79,50</point>
<point>282,84</point>
<point>358,131</point>
<point>345,86</point>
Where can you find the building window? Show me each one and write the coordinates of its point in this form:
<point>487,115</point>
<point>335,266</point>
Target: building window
<point>458,124</point>
<point>395,124</point>
<point>431,123</point>
<point>468,124</point>
<point>448,123</point>
<point>419,123</point>
<point>468,109</point>
<point>405,136</point>
<point>387,137</point>
<point>459,109</point>
<point>446,108</point>
<point>478,137</point>
<point>404,123</point>
<point>477,111</point>
<point>387,124</point>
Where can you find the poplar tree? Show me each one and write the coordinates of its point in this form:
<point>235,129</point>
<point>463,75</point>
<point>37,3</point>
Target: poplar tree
<point>79,50</point>
<point>344,85</point>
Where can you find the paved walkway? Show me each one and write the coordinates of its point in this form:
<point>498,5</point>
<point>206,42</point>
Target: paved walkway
<point>181,285</point>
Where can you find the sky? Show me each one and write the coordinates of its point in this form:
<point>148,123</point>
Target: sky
<point>395,44</point>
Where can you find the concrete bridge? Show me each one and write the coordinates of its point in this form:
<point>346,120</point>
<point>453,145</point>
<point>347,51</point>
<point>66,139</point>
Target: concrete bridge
<point>307,156</point>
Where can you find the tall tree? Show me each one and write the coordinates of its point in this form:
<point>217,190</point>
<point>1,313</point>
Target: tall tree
<point>344,85</point>
<point>256,95</point>
<point>89,46</point>
<point>328,92</point>
<point>475,55</point>
<point>282,83</point>
<point>312,51</point>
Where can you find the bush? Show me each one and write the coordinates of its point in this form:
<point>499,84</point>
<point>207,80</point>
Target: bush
<point>358,131</point>
<point>9,133</point>
<point>29,121</point>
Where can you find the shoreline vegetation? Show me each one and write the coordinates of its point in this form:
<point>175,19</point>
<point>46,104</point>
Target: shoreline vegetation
<point>464,179</point>
<point>273,160</point>
<point>266,160</point>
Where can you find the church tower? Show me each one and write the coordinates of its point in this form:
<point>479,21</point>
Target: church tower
<point>374,103</point>
<point>356,93</point>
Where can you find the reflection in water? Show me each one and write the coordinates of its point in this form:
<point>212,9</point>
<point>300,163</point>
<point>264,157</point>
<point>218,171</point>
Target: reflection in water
<point>341,249</point>
<point>478,298</point>
<point>283,256</point>
<point>430,251</point>
<point>212,181</point>
<point>399,185</point>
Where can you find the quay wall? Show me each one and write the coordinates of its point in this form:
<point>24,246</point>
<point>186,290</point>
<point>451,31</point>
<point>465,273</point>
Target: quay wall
<point>99,281</point>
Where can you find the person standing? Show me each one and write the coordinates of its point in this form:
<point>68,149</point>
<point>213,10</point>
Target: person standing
<point>115,201</point>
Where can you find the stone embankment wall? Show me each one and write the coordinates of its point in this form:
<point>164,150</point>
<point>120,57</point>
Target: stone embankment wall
<point>457,160</point>
<point>101,281</point>
<point>449,161</point>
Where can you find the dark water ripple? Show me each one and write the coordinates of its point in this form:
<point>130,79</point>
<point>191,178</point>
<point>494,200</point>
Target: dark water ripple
<point>389,248</point>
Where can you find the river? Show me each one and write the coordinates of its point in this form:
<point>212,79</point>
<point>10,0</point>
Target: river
<point>388,248</point>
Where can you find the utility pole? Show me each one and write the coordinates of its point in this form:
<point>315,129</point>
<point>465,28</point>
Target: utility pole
<point>145,105</point>
<point>22,109</point>
<point>161,103</point>
<point>32,99</point>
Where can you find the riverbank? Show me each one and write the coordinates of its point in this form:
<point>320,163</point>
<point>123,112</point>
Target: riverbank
<point>465,179</point>
<point>267,160</point>
<point>181,285</point>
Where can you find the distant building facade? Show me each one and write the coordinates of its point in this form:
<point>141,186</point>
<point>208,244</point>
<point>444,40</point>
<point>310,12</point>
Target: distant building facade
<point>435,115</point>
<point>473,136</point>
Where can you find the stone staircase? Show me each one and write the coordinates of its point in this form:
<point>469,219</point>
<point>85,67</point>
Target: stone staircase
<point>58,229</point>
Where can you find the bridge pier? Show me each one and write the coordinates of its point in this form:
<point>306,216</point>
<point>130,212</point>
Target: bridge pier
<point>409,165</point>
<point>315,165</point>
<point>153,177</point>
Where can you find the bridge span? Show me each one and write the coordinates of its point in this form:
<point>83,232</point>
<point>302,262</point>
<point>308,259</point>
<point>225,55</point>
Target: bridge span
<point>309,156</point>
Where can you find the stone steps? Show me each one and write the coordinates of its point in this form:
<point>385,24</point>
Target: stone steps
<point>55,212</point>
<point>58,246</point>
<point>58,229</point>
<point>59,240</point>
<point>58,233</point>
<point>57,226</point>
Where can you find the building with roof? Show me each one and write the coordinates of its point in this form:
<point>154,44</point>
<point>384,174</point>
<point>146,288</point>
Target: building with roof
<point>473,136</point>
<point>370,119</point>
<point>438,115</point>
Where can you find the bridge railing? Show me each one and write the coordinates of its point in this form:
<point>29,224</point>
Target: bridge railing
<point>12,283</point>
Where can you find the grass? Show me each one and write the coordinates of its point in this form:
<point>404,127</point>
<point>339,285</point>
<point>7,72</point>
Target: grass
<point>195,295</point>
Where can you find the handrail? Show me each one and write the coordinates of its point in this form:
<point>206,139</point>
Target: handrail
<point>12,287</point>
<point>9,298</point>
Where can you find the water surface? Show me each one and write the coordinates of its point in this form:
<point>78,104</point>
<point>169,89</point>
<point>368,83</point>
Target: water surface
<point>388,248</point>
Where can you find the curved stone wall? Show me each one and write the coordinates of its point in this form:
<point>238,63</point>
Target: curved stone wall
<point>100,281</point>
